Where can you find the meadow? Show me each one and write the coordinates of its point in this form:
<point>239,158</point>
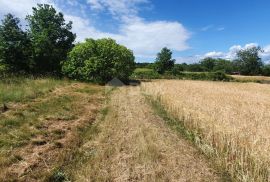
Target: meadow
<point>43,124</point>
<point>230,121</point>
<point>59,129</point>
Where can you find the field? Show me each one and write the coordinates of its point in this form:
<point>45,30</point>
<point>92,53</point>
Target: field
<point>259,79</point>
<point>231,121</point>
<point>161,130</point>
<point>42,124</point>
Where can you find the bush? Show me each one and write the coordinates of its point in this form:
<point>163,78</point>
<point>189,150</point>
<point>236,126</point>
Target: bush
<point>99,61</point>
<point>177,69</point>
<point>219,76</point>
<point>145,74</point>
<point>3,69</point>
<point>213,76</point>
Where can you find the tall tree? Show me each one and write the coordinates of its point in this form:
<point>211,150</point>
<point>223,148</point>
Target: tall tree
<point>248,61</point>
<point>208,63</point>
<point>164,61</point>
<point>51,38</point>
<point>14,45</point>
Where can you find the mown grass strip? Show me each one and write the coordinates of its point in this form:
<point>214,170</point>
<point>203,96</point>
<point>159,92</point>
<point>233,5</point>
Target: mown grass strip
<point>79,156</point>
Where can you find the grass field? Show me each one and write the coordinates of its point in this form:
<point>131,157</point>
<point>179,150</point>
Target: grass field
<point>57,129</point>
<point>230,121</point>
<point>42,125</point>
<point>20,89</point>
<point>259,79</point>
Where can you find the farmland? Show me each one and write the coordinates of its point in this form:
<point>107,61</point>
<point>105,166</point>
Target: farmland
<point>230,121</point>
<point>160,130</point>
<point>134,90</point>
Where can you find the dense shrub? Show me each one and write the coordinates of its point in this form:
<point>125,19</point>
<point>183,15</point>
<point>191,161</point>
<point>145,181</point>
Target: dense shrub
<point>151,74</point>
<point>99,61</point>
<point>219,76</point>
<point>145,74</point>
<point>177,69</point>
<point>213,76</point>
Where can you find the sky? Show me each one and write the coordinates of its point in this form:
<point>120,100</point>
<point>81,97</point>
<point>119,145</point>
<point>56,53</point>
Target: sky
<point>192,29</point>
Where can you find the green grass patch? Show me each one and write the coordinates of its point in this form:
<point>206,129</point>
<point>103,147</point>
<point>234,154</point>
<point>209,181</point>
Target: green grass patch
<point>145,73</point>
<point>19,89</point>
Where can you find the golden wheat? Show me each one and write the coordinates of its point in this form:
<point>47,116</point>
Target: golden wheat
<point>231,120</point>
<point>251,78</point>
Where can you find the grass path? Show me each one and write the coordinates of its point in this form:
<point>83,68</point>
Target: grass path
<point>134,144</point>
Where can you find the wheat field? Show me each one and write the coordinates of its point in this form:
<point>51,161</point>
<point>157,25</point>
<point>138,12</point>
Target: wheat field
<point>231,121</point>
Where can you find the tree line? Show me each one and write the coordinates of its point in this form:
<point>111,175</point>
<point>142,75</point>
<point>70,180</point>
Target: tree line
<point>46,46</point>
<point>247,62</point>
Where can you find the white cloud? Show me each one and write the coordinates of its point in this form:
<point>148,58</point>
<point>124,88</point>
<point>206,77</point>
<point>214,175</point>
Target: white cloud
<point>214,54</point>
<point>207,28</point>
<point>147,38</point>
<point>143,37</point>
<point>231,54</point>
<point>220,29</point>
<point>117,7</point>
<point>20,8</point>
<point>188,59</point>
<point>96,4</point>
<point>212,27</point>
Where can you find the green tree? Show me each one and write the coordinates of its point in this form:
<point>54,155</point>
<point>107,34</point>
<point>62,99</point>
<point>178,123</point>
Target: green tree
<point>266,70</point>
<point>195,67</point>
<point>248,61</point>
<point>177,69</point>
<point>208,63</point>
<point>14,45</point>
<point>51,38</point>
<point>223,65</point>
<point>164,61</point>
<point>99,61</point>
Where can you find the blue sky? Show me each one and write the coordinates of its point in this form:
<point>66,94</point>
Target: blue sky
<point>193,29</point>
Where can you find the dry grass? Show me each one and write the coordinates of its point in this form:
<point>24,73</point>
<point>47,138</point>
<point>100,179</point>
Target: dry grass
<point>38,136</point>
<point>263,79</point>
<point>231,121</point>
<point>133,144</point>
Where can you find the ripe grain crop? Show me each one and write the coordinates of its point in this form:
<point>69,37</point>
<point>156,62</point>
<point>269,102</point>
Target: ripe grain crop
<point>258,79</point>
<point>231,121</point>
